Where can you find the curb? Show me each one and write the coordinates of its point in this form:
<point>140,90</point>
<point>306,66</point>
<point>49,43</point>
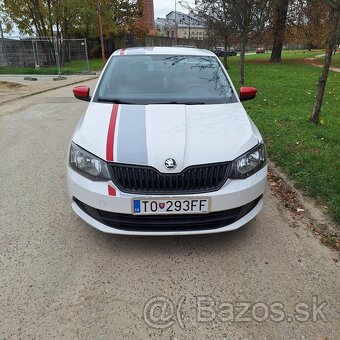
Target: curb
<point>47,90</point>
<point>313,213</point>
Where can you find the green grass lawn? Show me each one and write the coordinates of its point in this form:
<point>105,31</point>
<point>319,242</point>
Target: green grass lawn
<point>300,54</point>
<point>308,153</point>
<point>336,60</point>
<point>286,54</point>
<point>75,66</point>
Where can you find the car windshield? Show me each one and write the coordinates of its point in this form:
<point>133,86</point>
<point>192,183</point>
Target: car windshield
<point>164,79</point>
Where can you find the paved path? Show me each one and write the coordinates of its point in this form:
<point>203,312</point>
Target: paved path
<point>311,59</point>
<point>335,69</point>
<point>11,92</point>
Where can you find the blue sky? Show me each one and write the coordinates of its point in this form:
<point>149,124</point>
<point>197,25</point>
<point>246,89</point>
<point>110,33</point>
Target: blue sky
<point>163,7</point>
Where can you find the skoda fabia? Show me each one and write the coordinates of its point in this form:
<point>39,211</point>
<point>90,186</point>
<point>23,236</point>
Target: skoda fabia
<point>165,147</point>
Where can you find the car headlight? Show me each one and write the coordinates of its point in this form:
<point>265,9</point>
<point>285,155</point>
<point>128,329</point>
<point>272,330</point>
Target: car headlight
<point>249,163</point>
<point>87,164</point>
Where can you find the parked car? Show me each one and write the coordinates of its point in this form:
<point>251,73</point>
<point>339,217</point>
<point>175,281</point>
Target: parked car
<point>232,52</point>
<point>166,147</point>
<point>220,52</point>
<point>260,50</point>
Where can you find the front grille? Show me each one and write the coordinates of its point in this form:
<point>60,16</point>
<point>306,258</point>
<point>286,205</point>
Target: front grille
<point>147,180</point>
<point>168,223</point>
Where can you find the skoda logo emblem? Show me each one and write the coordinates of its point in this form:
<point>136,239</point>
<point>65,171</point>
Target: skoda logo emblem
<point>170,164</point>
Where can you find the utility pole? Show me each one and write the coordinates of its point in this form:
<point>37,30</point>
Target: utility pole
<point>1,31</point>
<point>3,43</point>
<point>189,25</point>
<point>175,23</point>
<point>100,24</point>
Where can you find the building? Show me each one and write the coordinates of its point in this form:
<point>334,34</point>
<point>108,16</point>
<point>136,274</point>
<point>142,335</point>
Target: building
<point>148,18</point>
<point>187,25</point>
<point>166,27</point>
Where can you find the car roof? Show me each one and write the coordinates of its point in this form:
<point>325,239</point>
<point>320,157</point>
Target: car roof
<point>164,50</point>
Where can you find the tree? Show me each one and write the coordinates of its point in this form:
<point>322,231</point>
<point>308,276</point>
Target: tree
<point>68,18</point>
<point>217,18</point>
<point>5,21</point>
<point>279,26</point>
<point>317,21</point>
<point>63,18</point>
<point>249,19</point>
<point>307,23</point>
<point>331,44</point>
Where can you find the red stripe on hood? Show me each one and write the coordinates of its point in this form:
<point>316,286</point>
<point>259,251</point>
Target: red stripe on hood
<point>111,134</point>
<point>110,142</point>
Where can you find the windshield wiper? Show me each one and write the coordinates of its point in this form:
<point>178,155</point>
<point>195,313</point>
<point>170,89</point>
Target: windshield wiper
<point>192,103</point>
<point>176,102</point>
<point>118,101</point>
<point>114,101</point>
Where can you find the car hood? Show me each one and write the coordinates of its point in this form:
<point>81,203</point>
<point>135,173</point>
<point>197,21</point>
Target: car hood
<point>149,134</point>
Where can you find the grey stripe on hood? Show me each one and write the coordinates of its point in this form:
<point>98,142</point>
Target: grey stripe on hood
<point>131,144</point>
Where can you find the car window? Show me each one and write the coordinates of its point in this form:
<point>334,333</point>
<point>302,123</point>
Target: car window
<point>158,79</point>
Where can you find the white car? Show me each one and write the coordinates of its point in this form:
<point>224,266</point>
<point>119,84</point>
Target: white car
<point>165,147</point>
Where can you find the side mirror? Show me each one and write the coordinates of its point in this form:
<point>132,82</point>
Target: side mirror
<point>82,93</point>
<point>247,93</point>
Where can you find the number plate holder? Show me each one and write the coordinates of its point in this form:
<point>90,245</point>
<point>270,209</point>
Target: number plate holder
<point>170,205</point>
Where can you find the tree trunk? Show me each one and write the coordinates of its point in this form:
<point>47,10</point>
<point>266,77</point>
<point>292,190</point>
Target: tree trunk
<point>315,117</point>
<point>50,23</point>
<point>242,54</point>
<point>225,57</point>
<point>279,27</point>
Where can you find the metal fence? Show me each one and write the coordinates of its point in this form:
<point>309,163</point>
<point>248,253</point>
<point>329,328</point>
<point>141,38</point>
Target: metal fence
<point>57,56</point>
<point>113,43</point>
<point>64,56</point>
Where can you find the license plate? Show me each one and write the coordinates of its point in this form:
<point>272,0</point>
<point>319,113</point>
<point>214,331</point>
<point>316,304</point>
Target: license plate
<point>169,206</point>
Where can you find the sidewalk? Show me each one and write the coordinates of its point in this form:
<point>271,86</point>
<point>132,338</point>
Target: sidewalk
<point>14,87</point>
<point>311,60</point>
<point>334,69</point>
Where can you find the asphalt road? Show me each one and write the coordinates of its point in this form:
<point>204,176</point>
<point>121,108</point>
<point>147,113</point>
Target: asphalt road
<point>59,278</point>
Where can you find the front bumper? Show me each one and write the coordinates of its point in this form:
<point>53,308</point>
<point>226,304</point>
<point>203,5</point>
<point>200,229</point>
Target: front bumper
<point>240,198</point>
